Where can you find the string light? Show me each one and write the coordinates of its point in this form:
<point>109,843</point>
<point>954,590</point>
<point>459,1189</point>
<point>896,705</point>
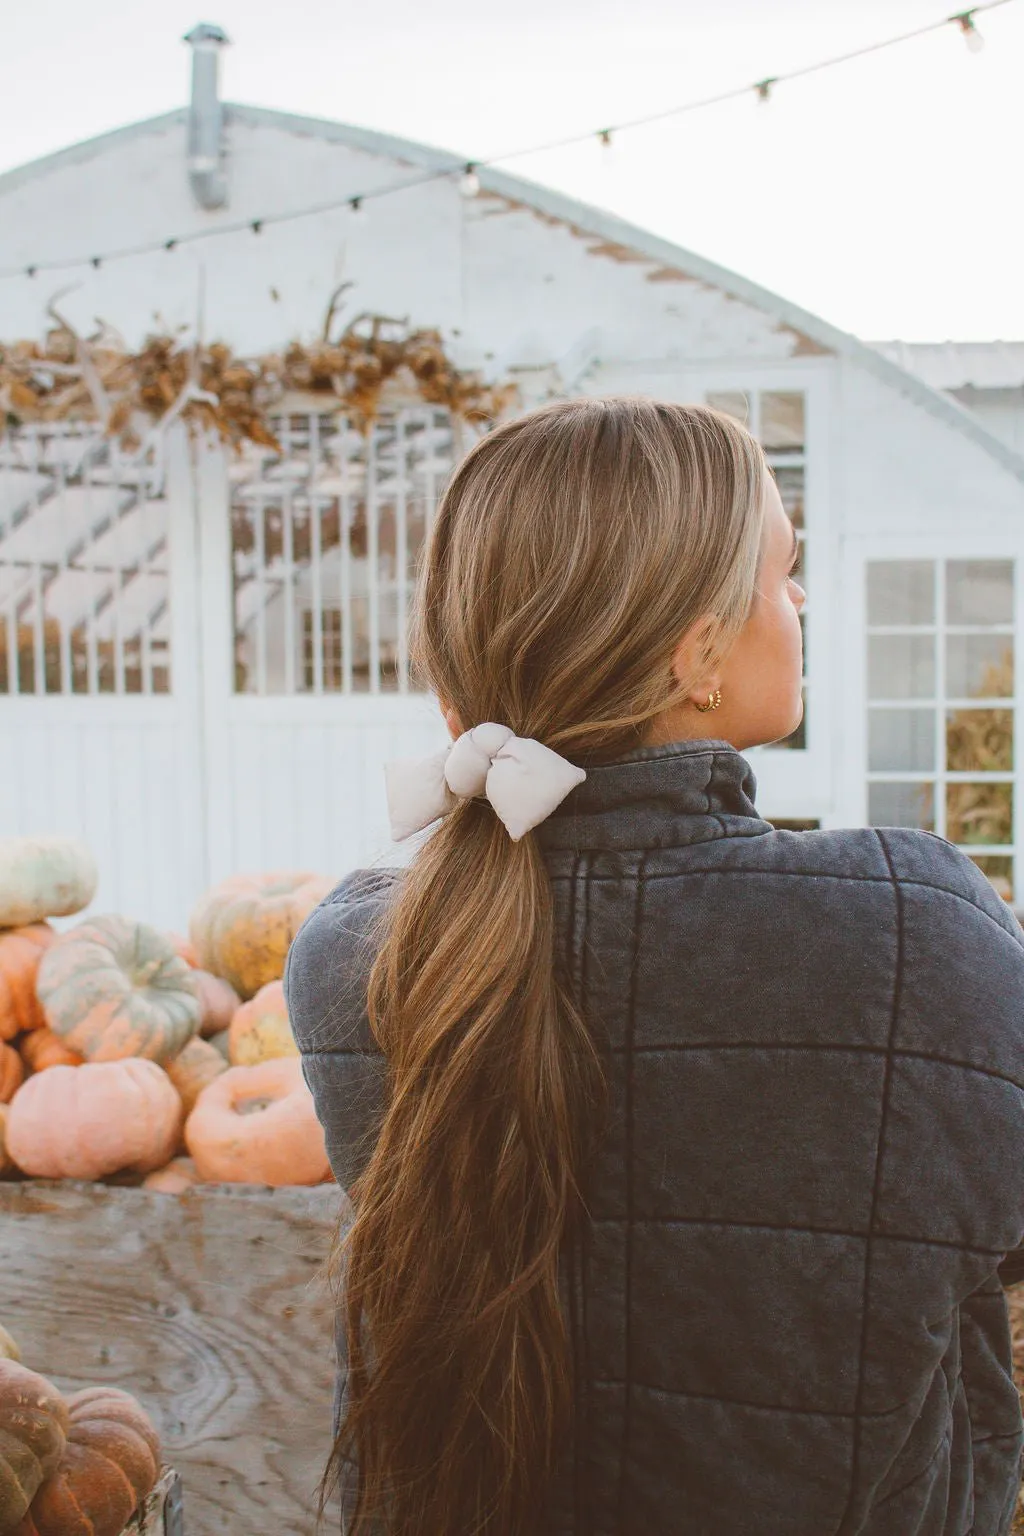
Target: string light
<point>469,182</point>
<point>969,32</point>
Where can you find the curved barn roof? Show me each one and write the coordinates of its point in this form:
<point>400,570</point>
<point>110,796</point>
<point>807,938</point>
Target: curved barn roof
<point>584,218</point>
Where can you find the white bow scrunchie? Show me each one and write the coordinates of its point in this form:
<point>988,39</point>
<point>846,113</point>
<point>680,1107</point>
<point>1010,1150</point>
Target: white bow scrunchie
<point>523,779</point>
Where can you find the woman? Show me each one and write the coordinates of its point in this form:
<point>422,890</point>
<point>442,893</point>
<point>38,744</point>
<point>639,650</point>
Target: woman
<point>683,1151</point>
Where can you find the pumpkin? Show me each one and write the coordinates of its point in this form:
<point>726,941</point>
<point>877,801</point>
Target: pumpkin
<point>44,877</point>
<point>179,1175</point>
<point>219,1041</point>
<point>185,949</point>
<point>113,988</point>
<point>21,950</point>
<point>33,1435</point>
<point>8,1348</point>
<point>41,1048</point>
<point>6,1160</point>
<point>258,1125</point>
<point>89,1121</point>
<point>243,927</point>
<point>260,1029</point>
<point>218,1002</point>
<point>111,1462</point>
<point>193,1068</point>
<point>12,1073</point>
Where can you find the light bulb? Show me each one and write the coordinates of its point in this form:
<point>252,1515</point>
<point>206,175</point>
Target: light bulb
<point>469,185</point>
<point>968,31</point>
<point>356,208</point>
<point>609,151</point>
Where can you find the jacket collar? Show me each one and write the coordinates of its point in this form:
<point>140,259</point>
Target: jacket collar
<point>658,797</point>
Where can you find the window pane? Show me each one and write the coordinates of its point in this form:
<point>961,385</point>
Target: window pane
<point>790,481</point>
<point>998,868</point>
<point>979,813</point>
<point>901,591</point>
<point>791,824</point>
<point>782,421</point>
<point>979,592</point>
<point>901,805</point>
<point>979,740</point>
<point>901,667</point>
<point>732,401</point>
<point>901,740</point>
<point>979,666</point>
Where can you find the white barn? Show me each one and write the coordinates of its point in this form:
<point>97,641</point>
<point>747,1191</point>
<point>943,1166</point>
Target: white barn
<point>202,658</point>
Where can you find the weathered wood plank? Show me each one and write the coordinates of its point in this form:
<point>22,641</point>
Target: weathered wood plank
<point>211,1308</point>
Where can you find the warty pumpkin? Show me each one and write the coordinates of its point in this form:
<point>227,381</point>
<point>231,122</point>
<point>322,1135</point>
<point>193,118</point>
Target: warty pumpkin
<point>112,988</point>
<point>193,1068</point>
<point>258,1125</point>
<point>110,1463</point>
<point>41,1048</point>
<point>89,1121</point>
<point>21,950</point>
<point>260,1030</point>
<point>242,928</point>
<point>44,877</point>
<point>34,1423</point>
<point>12,1073</point>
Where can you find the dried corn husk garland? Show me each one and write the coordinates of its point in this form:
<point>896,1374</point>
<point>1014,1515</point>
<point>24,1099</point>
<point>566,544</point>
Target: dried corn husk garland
<point>67,377</point>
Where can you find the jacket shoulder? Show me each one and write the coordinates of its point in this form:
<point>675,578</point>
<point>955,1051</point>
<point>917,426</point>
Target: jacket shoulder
<point>329,961</point>
<point>922,859</point>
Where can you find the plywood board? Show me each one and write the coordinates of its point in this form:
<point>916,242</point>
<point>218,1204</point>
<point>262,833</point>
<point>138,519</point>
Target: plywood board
<point>210,1307</point>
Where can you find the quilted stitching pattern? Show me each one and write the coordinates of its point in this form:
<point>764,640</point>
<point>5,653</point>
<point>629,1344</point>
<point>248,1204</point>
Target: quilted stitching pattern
<point>787,1315</point>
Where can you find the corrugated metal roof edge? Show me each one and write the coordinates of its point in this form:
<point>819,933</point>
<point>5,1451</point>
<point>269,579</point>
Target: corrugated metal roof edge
<point>595,220</point>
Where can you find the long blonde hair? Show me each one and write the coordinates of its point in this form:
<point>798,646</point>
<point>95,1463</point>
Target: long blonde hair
<point>571,549</point>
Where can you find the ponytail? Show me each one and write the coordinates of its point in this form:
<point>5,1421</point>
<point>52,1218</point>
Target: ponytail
<point>451,1263</point>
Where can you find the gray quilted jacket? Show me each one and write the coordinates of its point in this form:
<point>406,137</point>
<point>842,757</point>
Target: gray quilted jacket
<point>788,1313</point>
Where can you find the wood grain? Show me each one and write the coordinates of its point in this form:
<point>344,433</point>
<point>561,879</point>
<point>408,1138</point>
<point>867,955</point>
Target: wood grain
<point>211,1308</point>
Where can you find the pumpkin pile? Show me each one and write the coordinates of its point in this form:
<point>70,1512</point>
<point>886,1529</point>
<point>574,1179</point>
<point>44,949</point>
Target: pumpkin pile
<point>149,1056</point>
<point>70,1464</point>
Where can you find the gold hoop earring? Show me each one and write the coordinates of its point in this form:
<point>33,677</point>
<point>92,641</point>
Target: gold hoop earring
<point>714,699</point>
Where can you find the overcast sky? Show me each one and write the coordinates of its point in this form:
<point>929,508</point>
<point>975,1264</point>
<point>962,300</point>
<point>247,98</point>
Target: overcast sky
<point>883,194</point>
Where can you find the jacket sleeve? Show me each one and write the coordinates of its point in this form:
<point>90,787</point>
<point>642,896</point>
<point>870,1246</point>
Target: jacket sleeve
<point>325,981</point>
<point>958,1058</point>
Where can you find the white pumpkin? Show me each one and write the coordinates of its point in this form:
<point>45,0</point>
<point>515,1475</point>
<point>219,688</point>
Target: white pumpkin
<point>44,877</point>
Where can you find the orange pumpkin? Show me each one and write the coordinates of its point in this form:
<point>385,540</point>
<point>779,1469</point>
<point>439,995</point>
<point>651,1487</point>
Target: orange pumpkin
<point>41,1048</point>
<point>179,1175</point>
<point>44,877</point>
<point>12,1073</point>
<point>6,1160</point>
<point>182,947</point>
<point>260,1029</point>
<point>257,1125</point>
<point>113,988</point>
<point>243,927</point>
<point>218,1003</point>
<point>34,1422</point>
<point>90,1121</point>
<point>21,950</point>
<point>193,1068</point>
<point>110,1463</point>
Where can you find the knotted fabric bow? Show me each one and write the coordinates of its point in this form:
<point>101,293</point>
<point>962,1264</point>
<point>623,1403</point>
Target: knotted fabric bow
<point>523,779</point>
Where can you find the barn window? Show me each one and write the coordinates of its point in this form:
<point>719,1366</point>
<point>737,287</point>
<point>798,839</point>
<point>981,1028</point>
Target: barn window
<point>940,673</point>
<point>326,537</point>
<point>778,417</point>
<point>84,576</point>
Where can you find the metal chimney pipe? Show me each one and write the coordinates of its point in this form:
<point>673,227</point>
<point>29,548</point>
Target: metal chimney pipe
<point>205,118</point>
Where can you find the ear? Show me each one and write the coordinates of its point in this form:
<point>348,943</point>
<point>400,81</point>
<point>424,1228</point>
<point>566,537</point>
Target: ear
<point>693,650</point>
